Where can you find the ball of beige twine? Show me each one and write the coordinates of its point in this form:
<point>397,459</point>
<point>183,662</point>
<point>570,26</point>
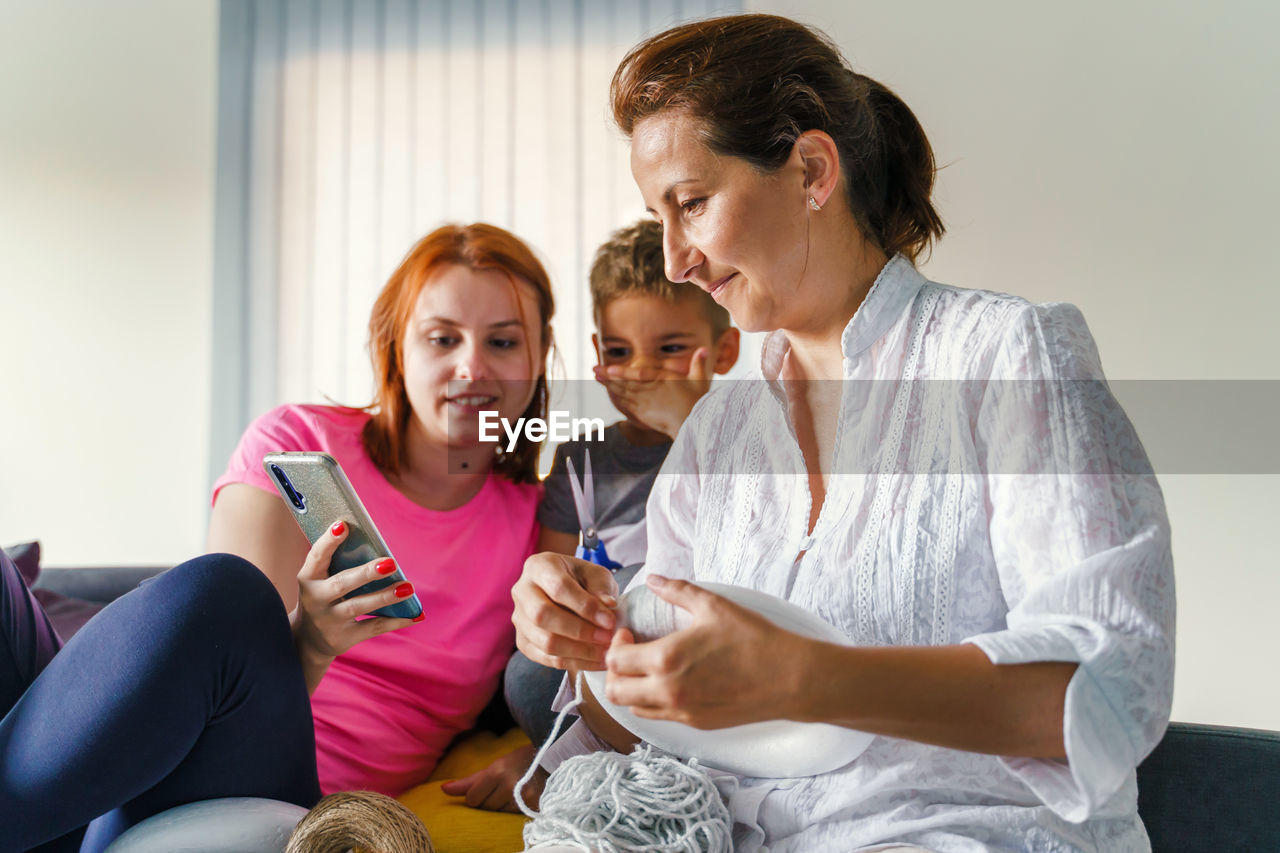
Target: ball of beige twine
<point>362,821</point>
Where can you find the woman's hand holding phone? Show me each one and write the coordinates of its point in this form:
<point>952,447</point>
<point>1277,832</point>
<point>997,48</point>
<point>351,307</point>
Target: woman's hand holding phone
<point>324,624</point>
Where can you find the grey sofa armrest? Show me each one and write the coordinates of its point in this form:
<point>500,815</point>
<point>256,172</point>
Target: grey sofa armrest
<point>101,584</point>
<point>1212,788</point>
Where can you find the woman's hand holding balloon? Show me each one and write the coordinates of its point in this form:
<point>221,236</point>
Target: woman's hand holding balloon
<point>729,667</point>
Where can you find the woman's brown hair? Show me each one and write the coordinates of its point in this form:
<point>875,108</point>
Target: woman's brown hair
<point>757,82</point>
<point>477,247</point>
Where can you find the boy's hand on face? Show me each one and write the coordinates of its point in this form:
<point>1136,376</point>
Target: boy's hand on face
<point>656,398</point>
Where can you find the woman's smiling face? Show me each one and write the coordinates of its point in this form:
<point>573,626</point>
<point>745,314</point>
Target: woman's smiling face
<point>470,347</point>
<point>738,233</point>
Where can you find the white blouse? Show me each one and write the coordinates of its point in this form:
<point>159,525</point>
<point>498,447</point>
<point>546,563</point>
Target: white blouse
<point>986,489</point>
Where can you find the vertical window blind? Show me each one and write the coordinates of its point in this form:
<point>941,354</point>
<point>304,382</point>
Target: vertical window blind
<point>349,128</point>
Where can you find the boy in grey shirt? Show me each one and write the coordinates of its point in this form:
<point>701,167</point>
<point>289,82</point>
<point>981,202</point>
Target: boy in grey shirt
<point>657,344</point>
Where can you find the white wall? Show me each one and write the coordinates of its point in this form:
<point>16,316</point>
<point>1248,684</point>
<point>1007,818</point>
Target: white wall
<point>106,221</point>
<point>1121,156</point>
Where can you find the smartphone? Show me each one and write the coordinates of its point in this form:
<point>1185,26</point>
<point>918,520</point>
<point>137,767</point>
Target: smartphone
<point>314,487</point>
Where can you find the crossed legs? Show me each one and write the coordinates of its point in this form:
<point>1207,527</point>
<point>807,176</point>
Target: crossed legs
<point>187,688</point>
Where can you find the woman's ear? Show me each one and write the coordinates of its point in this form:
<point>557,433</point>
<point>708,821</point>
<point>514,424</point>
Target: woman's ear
<point>820,165</point>
<point>726,350</point>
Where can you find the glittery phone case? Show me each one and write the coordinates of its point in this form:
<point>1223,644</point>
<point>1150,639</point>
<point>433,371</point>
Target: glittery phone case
<point>319,494</point>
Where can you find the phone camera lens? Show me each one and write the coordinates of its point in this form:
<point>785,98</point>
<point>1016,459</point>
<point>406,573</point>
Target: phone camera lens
<point>295,496</point>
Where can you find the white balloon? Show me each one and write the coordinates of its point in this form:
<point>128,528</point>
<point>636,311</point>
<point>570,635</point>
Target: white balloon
<point>775,749</point>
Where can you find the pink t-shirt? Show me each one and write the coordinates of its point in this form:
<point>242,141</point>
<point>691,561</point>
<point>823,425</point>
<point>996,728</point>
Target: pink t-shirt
<point>388,708</point>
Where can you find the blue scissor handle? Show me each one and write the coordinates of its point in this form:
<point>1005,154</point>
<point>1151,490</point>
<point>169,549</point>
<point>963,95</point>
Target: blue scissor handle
<point>598,556</point>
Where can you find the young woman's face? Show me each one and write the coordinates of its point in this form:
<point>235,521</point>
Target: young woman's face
<point>466,351</point>
<point>737,233</point>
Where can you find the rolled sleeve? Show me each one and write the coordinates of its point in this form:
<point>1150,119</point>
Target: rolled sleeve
<point>287,427</point>
<point>1104,733</point>
<point>1081,543</point>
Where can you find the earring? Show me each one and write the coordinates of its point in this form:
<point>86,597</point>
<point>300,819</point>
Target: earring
<point>813,203</point>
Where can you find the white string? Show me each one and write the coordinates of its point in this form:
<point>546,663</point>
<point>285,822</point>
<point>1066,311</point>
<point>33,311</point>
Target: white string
<point>551,738</point>
<point>607,802</point>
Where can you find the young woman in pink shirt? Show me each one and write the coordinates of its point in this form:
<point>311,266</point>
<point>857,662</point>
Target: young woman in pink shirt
<point>190,688</point>
<point>461,326</point>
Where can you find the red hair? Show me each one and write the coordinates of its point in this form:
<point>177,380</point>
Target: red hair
<point>477,247</point>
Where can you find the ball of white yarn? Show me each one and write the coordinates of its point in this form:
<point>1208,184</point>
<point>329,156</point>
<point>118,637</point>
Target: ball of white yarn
<point>612,803</point>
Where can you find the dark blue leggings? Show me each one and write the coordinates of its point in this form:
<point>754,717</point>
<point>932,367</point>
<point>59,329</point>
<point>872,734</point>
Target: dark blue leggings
<point>187,688</point>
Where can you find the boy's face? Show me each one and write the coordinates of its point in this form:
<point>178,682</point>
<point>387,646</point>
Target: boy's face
<point>642,331</point>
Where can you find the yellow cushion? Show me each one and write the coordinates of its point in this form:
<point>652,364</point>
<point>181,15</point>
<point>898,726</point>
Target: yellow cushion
<point>455,828</point>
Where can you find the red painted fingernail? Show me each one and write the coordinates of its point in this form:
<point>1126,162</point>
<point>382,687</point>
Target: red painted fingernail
<point>419,617</point>
<point>404,590</point>
<point>385,566</point>
<point>339,528</point>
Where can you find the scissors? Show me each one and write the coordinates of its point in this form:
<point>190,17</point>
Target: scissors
<point>584,500</point>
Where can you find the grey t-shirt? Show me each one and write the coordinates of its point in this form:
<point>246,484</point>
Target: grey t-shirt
<point>623,475</point>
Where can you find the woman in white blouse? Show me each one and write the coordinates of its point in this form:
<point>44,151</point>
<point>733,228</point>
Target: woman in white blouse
<point>940,473</point>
